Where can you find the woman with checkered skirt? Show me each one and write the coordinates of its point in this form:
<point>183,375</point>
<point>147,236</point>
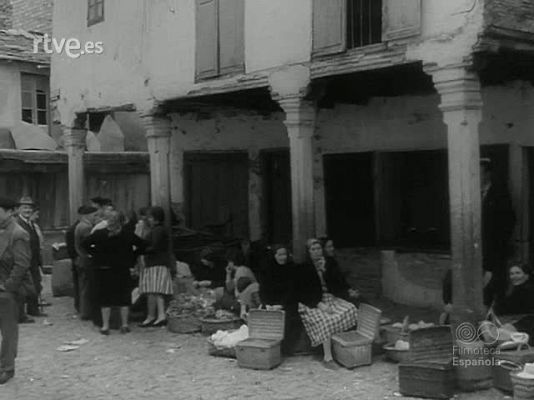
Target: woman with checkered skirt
<point>155,278</point>
<point>323,293</point>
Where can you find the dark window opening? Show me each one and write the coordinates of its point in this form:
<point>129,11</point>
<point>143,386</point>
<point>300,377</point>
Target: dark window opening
<point>95,11</point>
<point>34,99</point>
<point>364,22</point>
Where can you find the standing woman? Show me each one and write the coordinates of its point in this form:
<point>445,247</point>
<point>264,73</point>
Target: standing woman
<point>324,313</point>
<point>114,249</point>
<point>155,280</point>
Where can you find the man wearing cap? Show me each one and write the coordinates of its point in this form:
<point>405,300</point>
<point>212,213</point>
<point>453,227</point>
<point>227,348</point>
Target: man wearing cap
<point>497,226</point>
<point>83,261</point>
<point>26,208</point>
<point>15,282</point>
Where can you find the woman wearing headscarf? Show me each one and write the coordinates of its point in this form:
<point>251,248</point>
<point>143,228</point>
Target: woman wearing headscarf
<point>321,289</point>
<point>277,290</point>
<point>114,250</point>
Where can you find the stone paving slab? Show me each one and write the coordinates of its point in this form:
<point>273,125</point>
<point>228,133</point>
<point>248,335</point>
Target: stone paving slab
<point>156,364</point>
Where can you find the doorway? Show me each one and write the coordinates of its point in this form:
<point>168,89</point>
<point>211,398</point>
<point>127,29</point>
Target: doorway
<point>216,192</point>
<point>277,215</point>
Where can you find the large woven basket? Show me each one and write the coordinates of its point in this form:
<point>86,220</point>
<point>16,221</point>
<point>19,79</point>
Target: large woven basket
<point>183,324</point>
<point>523,387</point>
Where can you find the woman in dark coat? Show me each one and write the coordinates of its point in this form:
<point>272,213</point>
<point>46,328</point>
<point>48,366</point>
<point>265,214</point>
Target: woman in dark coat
<point>114,250</point>
<point>277,290</point>
<point>321,291</point>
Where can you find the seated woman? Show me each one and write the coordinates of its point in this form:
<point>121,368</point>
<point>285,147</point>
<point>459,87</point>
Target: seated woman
<point>227,296</point>
<point>320,290</point>
<point>519,300</point>
<point>210,272</point>
<point>277,290</point>
<point>248,295</point>
<point>329,250</point>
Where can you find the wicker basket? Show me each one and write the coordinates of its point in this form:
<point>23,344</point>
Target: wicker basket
<point>227,352</point>
<point>183,324</point>
<point>212,325</point>
<point>523,387</point>
<point>396,355</point>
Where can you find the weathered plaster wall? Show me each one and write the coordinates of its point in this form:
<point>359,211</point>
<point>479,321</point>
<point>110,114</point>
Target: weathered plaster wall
<point>10,101</point>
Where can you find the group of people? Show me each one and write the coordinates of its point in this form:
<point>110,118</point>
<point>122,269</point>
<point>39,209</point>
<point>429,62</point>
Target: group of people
<point>107,249</point>
<point>314,295</point>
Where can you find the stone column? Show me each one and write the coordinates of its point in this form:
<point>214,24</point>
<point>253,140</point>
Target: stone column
<point>289,88</point>
<point>74,142</point>
<point>461,104</point>
<point>158,135</point>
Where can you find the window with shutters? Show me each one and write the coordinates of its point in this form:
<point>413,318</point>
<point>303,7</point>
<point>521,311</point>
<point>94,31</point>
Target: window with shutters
<point>219,37</point>
<point>339,25</point>
<point>35,99</point>
<point>95,11</point>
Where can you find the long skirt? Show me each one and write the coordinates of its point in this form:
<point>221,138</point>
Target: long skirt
<point>113,287</point>
<point>320,326</point>
<point>155,280</point>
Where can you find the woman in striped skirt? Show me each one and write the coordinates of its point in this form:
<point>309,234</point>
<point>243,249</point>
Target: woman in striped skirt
<point>323,307</point>
<point>155,278</point>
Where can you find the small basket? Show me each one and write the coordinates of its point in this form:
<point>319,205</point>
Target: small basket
<point>523,387</point>
<point>396,355</point>
<point>183,324</point>
<point>227,352</point>
<point>212,325</point>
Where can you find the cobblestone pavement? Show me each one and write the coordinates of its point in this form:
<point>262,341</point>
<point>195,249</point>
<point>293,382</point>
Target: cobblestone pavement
<point>156,364</point>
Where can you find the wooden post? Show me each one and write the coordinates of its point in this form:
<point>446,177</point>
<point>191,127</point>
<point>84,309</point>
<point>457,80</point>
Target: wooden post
<point>461,104</point>
<point>519,188</point>
<point>158,134</point>
<point>74,142</point>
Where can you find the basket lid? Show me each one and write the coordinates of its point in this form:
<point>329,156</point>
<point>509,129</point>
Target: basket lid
<point>266,324</point>
<point>431,344</point>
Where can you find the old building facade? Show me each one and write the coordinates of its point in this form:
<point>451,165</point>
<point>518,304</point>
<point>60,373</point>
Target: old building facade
<point>361,119</point>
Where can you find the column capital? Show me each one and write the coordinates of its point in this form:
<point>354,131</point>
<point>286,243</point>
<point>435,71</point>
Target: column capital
<point>458,85</point>
<point>299,112</point>
<point>74,137</point>
<point>156,125</point>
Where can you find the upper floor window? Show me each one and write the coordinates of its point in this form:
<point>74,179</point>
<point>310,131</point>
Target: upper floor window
<point>339,25</point>
<point>364,22</point>
<point>95,11</point>
<point>35,99</point>
<point>220,35</point>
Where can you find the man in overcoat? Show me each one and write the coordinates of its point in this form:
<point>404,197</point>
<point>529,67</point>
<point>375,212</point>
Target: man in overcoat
<point>15,283</point>
<point>26,208</point>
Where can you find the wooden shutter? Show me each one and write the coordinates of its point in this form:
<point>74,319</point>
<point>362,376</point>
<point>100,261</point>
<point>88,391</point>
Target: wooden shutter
<point>401,19</point>
<point>329,26</point>
<point>231,36</point>
<point>207,62</point>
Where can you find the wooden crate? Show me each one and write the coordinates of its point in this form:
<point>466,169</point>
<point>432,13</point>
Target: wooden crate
<point>354,348</point>
<point>429,372</point>
<point>262,350</point>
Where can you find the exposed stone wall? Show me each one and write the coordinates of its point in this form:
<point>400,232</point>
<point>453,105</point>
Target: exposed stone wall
<point>510,14</point>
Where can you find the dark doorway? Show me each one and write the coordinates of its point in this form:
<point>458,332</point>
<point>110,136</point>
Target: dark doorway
<point>349,193</point>
<point>216,191</point>
<point>277,196</point>
<point>531,203</point>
